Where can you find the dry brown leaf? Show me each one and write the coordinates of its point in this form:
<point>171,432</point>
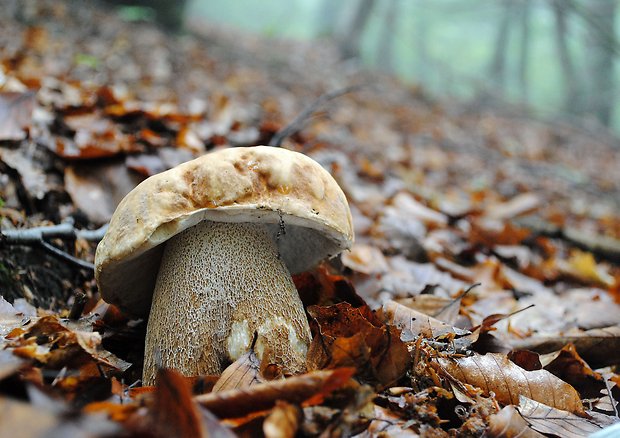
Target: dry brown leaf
<point>366,259</point>
<point>441,308</point>
<point>283,421</point>
<point>319,286</point>
<point>520,204</point>
<point>354,336</point>
<point>15,114</point>
<point>96,189</point>
<point>52,343</point>
<point>508,423</point>
<point>387,423</point>
<point>548,420</point>
<point>174,412</point>
<point>568,366</point>
<point>414,323</point>
<point>309,388</point>
<point>598,347</point>
<point>496,373</point>
<point>242,373</point>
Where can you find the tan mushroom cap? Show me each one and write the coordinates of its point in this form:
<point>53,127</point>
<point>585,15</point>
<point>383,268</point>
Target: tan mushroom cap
<point>300,202</point>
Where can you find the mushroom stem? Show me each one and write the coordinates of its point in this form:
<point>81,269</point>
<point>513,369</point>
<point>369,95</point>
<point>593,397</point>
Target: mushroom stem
<point>218,285</point>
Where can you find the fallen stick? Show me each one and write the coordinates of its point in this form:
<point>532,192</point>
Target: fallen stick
<point>298,122</point>
<point>37,237</point>
<point>65,230</point>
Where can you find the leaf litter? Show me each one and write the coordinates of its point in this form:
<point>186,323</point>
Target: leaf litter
<point>443,198</point>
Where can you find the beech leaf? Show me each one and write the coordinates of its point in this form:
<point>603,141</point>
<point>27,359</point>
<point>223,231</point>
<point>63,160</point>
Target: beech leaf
<point>508,423</point>
<point>243,372</point>
<point>549,420</point>
<point>496,373</point>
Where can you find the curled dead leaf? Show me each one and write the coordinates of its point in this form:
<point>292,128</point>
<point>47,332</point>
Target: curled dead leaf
<point>354,336</point>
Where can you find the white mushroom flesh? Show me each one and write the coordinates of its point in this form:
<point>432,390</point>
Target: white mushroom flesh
<point>220,285</point>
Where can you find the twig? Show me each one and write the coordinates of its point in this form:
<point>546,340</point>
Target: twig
<point>37,237</point>
<point>301,118</point>
<point>65,230</point>
<point>66,256</point>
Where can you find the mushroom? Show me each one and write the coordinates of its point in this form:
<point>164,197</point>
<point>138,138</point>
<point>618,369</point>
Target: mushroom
<point>208,248</point>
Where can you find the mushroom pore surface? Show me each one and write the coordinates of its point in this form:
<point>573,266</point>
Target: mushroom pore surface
<point>218,284</point>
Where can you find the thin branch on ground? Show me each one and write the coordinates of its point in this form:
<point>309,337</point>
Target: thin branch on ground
<point>298,122</point>
<point>65,230</point>
<point>66,256</point>
<point>37,237</point>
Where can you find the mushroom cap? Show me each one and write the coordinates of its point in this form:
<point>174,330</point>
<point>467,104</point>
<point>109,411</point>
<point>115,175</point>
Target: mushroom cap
<point>300,202</point>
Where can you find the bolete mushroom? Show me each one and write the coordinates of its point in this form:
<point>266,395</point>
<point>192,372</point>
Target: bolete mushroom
<point>208,247</point>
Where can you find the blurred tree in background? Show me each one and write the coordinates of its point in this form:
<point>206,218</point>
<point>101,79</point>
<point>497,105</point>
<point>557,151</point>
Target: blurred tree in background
<point>552,57</point>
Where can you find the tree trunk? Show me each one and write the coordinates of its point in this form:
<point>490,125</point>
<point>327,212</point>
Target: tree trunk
<point>328,18</point>
<point>497,70</point>
<point>601,46</point>
<point>420,45</point>
<point>385,47</point>
<point>351,39</point>
<point>526,6</point>
<point>572,96</point>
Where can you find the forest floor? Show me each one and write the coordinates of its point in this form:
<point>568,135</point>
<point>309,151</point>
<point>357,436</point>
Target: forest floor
<point>464,216</point>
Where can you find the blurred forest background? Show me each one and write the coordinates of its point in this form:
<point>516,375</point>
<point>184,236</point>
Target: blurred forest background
<point>555,58</point>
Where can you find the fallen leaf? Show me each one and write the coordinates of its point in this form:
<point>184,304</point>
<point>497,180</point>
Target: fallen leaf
<point>15,114</point>
<point>520,204</point>
<point>553,421</point>
<point>96,189</point>
<point>414,323</point>
<point>310,388</point>
<point>442,308</point>
<point>283,421</point>
<point>508,423</point>
<point>349,336</point>
<point>598,347</point>
<point>365,259</point>
<point>495,373</point>
<point>174,413</point>
<point>582,266</point>
<point>570,367</point>
<point>242,373</point>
